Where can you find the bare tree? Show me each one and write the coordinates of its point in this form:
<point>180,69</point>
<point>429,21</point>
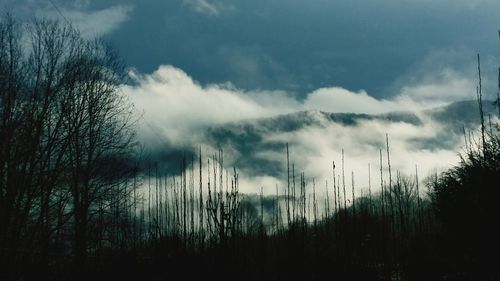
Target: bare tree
<point>66,134</point>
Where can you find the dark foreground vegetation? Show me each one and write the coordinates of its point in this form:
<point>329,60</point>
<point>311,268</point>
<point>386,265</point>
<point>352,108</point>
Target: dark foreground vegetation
<point>77,202</point>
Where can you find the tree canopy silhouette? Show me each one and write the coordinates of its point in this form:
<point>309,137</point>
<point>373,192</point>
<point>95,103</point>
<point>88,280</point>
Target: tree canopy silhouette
<point>466,202</point>
<point>62,120</point>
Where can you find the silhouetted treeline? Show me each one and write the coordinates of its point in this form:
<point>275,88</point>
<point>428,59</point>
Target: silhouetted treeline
<point>465,202</point>
<point>77,201</point>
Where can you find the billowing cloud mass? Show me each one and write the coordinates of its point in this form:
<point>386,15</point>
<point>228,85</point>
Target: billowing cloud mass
<point>181,108</point>
<point>256,125</point>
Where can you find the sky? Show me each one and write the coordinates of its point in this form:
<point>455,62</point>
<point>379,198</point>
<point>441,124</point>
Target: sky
<point>293,45</point>
<point>200,64</point>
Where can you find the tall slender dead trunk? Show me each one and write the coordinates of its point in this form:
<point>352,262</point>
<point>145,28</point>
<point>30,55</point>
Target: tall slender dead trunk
<point>343,181</point>
<point>288,185</point>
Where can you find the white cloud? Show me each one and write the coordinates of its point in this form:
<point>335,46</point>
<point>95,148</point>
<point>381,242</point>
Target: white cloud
<point>434,83</point>
<point>451,89</point>
<point>172,101</point>
<point>447,86</point>
<point>314,149</point>
<point>337,99</point>
<point>91,23</point>
<point>444,76</point>
<point>470,4</point>
<point>211,7</point>
<point>203,6</point>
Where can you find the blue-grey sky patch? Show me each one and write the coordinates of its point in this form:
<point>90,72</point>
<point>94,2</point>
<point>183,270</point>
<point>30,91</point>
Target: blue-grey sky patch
<point>296,46</point>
